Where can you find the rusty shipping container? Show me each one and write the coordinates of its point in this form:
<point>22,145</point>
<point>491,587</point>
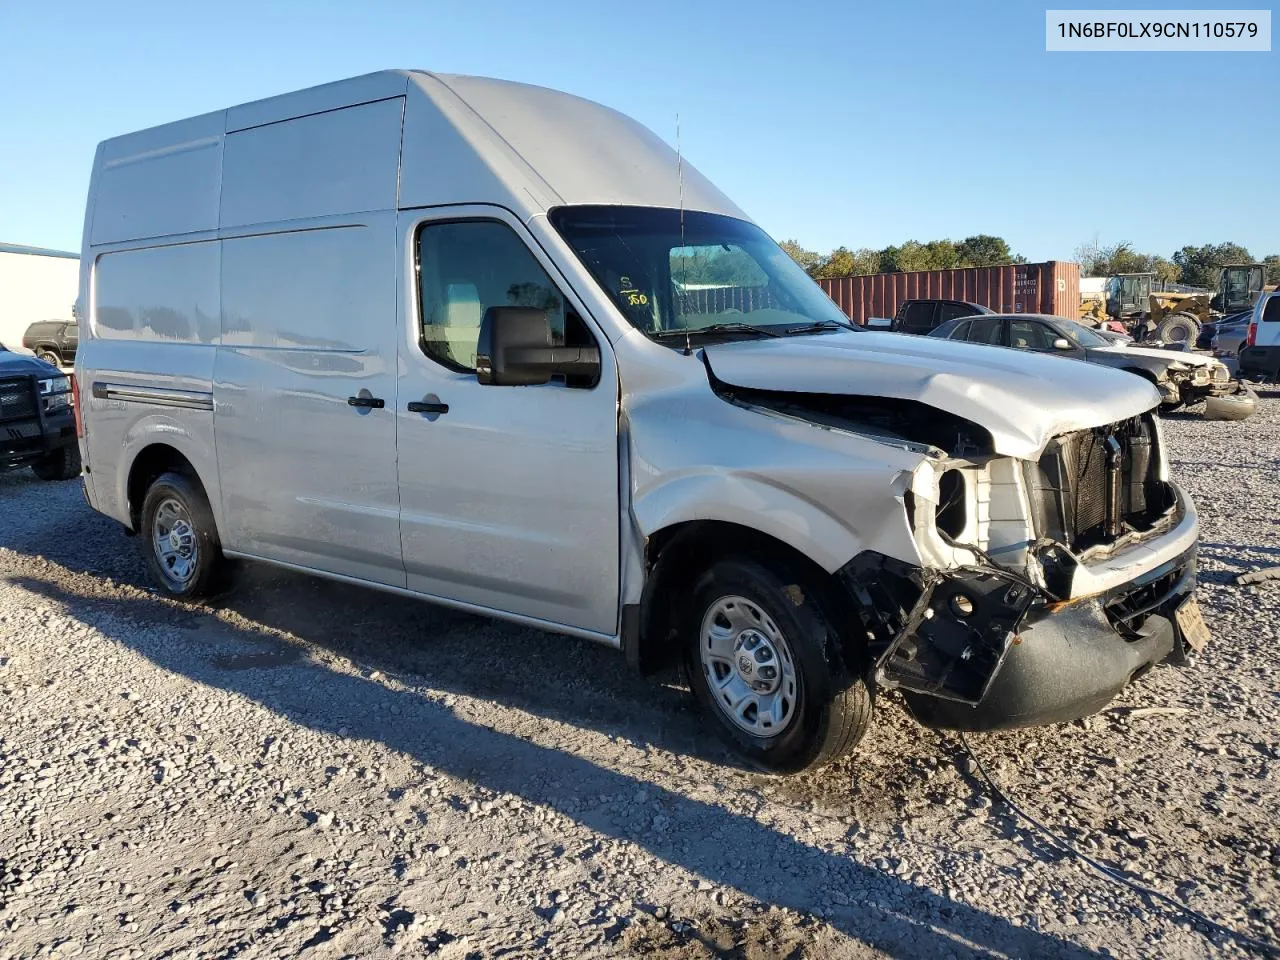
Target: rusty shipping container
<point>1052,287</point>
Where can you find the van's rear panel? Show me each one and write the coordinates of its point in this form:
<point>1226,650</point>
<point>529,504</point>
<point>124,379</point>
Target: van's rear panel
<point>149,300</point>
<point>146,368</point>
<point>269,230</point>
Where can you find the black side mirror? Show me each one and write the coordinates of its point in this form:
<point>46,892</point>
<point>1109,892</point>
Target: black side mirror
<point>515,350</point>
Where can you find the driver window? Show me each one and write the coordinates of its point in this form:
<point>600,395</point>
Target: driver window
<point>466,267</point>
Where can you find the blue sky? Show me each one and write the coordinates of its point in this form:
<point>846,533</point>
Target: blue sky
<point>831,123</point>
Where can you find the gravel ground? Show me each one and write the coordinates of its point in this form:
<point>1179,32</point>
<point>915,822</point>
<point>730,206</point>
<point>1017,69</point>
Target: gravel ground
<point>310,769</point>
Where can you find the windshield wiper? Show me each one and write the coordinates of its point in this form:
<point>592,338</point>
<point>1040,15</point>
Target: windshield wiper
<point>683,332</point>
<point>822,325</point>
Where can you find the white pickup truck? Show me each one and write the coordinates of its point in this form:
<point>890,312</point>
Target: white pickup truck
<point>496,347</point>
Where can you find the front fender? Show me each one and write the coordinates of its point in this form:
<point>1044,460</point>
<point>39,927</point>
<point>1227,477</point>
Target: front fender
<point>764,505</point>
<point>828,493</point>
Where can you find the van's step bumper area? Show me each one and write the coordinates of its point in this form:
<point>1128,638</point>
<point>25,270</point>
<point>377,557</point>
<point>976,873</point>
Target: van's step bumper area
<point>1068,660</point>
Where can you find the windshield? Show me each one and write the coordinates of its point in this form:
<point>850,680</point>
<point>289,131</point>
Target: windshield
<point>1082,336</point>
<point>673,271</point>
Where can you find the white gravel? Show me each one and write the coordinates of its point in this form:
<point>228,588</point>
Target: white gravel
<point>314,770</point>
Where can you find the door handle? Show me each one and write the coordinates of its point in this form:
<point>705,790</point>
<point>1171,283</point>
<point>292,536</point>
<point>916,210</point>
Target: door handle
<point>373,403</point>
<point>427,406</point>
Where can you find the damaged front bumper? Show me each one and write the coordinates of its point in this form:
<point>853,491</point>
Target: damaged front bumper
<point>1194,386</point>
<point>1224,399</point>
<point>982,648</point>
<point>1071,661</point>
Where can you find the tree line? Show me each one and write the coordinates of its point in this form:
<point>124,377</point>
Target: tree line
<point>1195,266</point>
<point>982,250</point>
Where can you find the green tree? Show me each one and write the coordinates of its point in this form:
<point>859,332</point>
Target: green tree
<point>942,254</point>
<point>912,255</point>
<point>1096,261</point>
<point>890,259</point>
<point>984,250</point>
<point>808,259</point>
<point>843,262</point>
<point>1202,266</point>
<point>1165,270</point>
<point>1100,261</point>
<point>976,251</point>
<point>1271,267</point>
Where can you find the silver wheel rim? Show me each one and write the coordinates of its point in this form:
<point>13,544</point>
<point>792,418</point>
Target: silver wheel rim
<point>174,539</point>
<point>748,666</point>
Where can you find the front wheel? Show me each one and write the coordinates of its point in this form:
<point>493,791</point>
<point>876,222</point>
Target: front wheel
<point>180,538</point>
<point>765,663</point>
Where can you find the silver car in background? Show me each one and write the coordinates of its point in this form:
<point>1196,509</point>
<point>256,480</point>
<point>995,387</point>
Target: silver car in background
<point>1181,376</point>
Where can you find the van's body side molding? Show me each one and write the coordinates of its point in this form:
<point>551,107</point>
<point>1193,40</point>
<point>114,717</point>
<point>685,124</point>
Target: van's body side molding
<point>159,396</point>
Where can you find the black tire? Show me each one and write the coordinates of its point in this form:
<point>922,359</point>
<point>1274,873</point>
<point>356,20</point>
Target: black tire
<point>1178,328</point>
<point>49,355</point>
<point>833,704</point>
<point>207,566</point>
<point>62,464</point>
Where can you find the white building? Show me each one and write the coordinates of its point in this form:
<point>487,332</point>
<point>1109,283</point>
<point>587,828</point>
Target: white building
<point>35,284</point>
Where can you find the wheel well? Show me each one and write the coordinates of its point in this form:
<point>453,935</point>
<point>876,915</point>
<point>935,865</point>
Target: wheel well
<point>150,463</point>
<point>676,555</point>
<point>1145,374</point>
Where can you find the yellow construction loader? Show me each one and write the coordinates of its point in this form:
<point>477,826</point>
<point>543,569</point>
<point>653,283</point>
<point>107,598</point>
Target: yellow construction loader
<point>1128,300</point>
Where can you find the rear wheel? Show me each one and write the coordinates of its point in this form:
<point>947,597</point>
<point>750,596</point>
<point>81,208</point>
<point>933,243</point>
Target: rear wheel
<point>180,539</point>
<point>62,464</point>
<point>49,356</point>
<point>1178,328</point>
<point>765,663</point>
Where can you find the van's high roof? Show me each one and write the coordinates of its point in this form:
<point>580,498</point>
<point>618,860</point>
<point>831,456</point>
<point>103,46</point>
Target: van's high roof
<point>427,139</point>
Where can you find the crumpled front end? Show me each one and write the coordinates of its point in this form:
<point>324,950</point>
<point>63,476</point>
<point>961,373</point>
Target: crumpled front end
<point>1005,563</point>
<point>1185,384</point>
<point>1047,585</point>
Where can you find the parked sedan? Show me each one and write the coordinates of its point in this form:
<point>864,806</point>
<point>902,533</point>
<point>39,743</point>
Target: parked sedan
<point>1182,377</point>
<point>1209,331</point>
<point>1230,336</point>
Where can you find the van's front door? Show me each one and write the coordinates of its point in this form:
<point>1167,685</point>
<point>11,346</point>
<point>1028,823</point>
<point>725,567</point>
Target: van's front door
<point>508,495</point>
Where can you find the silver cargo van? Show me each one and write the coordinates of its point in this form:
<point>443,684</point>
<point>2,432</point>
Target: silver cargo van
<point>494,346</point>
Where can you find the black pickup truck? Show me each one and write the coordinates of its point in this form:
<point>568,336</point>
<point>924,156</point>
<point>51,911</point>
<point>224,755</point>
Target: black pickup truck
<point>921,316</point>
<point>53,340</point>
<point>37,418</point>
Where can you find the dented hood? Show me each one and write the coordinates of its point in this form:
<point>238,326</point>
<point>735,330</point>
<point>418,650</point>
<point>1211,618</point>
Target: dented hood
<point>1023,399</point>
